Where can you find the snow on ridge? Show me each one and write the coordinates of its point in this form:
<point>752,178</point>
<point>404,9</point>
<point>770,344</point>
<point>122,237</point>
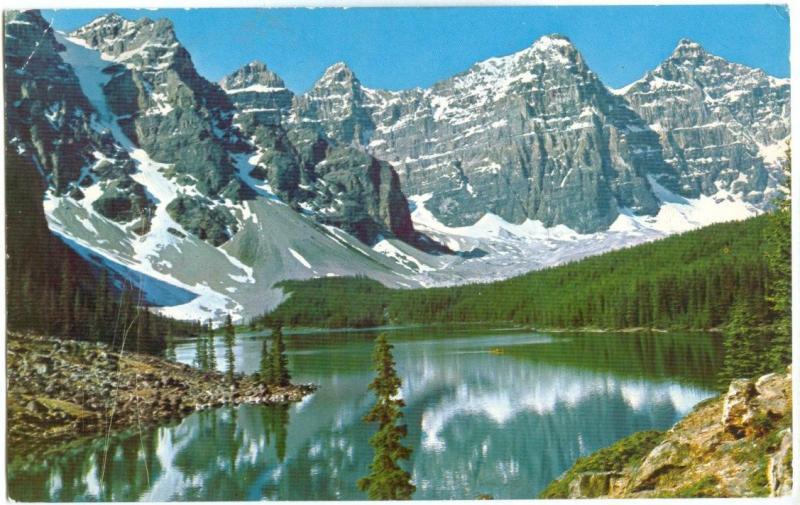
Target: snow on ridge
<point>88,65</point>
<point>514,249</point>
<point>624,89</point>
<point>386,248</point>
<point>299,257</point>
<point>775,153</point>
<point>490,226</point>
<point>255,88</point>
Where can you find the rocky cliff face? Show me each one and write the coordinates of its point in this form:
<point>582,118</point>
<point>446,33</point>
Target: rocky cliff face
<point>151,98</point>
<point>338,105</point>
<point>146,174</point>
<point>258,93</point>
<point>736,445</point>
<point>49,119</point>
<point>317,170</point>
<point>163,106</point>
<point>537,135</point>
<point>723,126</point>
<point>532,135</point>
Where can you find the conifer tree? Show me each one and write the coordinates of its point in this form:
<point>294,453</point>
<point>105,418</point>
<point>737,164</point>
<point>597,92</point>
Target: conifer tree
<point>212,352</point>
<point>280,364</point>
<point>201,352</point>
<point>265,371</point>
<point>66,300</point>
<point>387,480</point>
<point>779,259</point>
<point>169,350</point>
<point>230,339</point>
<point>140,328</point>
<point>100,310</point>
<point>743,345</point>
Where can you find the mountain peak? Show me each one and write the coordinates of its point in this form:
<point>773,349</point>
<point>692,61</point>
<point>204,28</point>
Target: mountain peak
<point>553,42</point>
<point>106,29</point>
<point>687,48</point>
<point>339,72</point>
<point>112,19</point>
<point>253,73</point>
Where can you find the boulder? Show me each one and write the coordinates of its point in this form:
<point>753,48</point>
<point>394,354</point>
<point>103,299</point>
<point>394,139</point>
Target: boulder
<point>779,466</point>
<point>666,456</point>
<point>592,484</point>
<point>773,394</point>
<point>738,412</point>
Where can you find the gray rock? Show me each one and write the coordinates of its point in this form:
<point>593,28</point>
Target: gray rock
<point>532,135</point>
<point>779,467</point>
<point>717,122</point>
<point>592,484</point>
<point>772,398</point>
<point>258,93</point>
<point>666,456</point>
<point>738,411</point>
<point>172,112</point>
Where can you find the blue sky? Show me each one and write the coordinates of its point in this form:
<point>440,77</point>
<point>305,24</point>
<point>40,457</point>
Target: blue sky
<point>398,48</point>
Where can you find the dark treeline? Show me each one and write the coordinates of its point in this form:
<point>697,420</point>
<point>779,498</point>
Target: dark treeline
<point>692,280</point>
<point>53,291</point>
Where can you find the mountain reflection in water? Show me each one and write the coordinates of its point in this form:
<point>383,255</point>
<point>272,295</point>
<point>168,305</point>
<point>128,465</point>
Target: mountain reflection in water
<point>480,421</point>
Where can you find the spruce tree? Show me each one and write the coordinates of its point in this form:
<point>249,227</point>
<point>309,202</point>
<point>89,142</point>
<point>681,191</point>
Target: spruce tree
<point>66,300</point>
<point>779,260</point>
<point>280,364</point>
<point>265,371</point>
<point>100,312</point>
<point>743,350</point>
<point>201,352</point>
<point>387,480</point>
<point>230,338</point>
<point>169,350</point>
<point>212,352</point>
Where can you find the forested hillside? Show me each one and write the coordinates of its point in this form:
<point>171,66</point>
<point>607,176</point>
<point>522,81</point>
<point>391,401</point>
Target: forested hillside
<point>691,280</point>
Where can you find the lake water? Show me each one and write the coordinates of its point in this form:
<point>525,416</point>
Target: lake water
<point>488,412</point>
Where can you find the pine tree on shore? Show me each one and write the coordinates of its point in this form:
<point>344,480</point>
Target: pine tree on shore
<point>280,364</point>
<point>230,339</point>
<point>201,352</point>
<point>169,349</point>
<point>387,480</point>
<point>212,352</point>
<point>66,301</point>
<point>744,347</point>
<point>265,371</point>
<point>100,312</point>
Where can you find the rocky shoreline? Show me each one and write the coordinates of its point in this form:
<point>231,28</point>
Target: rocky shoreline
<point>738,444</point>
<point>60,390</point>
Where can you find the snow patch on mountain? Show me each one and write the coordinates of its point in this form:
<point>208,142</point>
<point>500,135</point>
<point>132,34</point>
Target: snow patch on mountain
<point>511,249</point>
<point>144,255</point>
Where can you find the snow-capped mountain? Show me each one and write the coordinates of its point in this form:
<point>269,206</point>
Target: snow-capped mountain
<point>532,135</point>
<point>149,177</point>
<point>536,135</point>
<point>206,195</point>
<point>723,126</point>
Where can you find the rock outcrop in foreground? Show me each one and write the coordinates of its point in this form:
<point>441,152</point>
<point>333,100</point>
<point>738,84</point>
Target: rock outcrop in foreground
<point>63,390</point>
<point>736,445</point>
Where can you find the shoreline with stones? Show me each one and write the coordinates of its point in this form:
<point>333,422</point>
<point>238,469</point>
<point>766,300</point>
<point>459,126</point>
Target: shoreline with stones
<point>62,390</point>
